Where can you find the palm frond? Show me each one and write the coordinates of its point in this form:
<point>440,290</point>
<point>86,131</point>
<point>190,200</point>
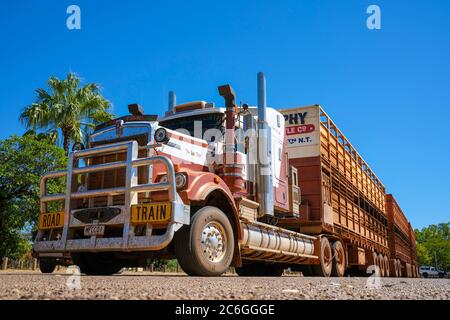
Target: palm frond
<point>67,107</point>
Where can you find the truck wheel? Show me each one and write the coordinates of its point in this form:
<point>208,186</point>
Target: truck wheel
<point>386,266</point>
<point>206,246</point>
<point>375,261</point>
<point>425,275</point>
<point>97,264</point>
<point>326,259</point>
<point>260,270</point>
<point>381,265</point>
<point>47,265</point>
<point>338,269</point>
<point>399,267</point>
<point>395,266</point>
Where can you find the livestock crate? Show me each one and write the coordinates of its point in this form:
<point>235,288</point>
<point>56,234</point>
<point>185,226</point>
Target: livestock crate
<point>340,193</point>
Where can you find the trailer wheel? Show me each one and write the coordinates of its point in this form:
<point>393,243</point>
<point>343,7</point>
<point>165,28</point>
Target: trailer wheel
<point>326,259</point>
<point>206,246</point>
<point>399,268</point>
<point>386,266</point>
<point>381,265</point>
<point>338,269</point>
<point>375,260</point>
<point>47,265</point>
<point>260,270</point>
<point>395,266</point>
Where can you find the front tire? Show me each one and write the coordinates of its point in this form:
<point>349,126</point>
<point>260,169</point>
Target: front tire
<point>206,246</point>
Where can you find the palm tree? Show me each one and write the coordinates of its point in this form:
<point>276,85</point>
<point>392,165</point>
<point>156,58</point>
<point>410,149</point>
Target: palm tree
<point>67,108</point>
<point>50,137</point>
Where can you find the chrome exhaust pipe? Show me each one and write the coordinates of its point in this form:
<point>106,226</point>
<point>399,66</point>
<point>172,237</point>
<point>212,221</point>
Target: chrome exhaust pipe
<point>172,101</point>
<point>264,171</point>
<point>266,238</point>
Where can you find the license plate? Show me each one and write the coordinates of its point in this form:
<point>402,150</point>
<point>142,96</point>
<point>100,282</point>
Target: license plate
<point>155,213</point>
<point>51,220</point>
<point>90,231</point>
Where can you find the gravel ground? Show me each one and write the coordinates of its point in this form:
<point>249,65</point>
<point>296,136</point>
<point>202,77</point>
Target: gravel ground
<point>130,285</point>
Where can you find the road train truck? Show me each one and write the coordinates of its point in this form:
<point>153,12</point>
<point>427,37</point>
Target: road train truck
<point>240,186</point>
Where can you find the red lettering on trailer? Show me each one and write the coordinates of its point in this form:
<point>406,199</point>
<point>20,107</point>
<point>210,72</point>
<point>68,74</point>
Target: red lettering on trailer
<point>307,128</point>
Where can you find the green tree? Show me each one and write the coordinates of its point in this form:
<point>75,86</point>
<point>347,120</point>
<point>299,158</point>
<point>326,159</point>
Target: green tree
<point>423,255</point>
<point>434,245</point>
<point>51,137</point>
<point>23,161</point>
<point>68,108</point>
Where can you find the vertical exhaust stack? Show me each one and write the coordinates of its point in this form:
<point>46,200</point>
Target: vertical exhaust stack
<point>172,103</point>
<point>232,163</point>
<point>264,171</point>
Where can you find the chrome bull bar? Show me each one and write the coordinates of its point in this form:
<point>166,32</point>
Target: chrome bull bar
<point>128,242</point>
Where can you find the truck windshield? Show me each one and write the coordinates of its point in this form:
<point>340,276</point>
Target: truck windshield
<point>129,131</point>
<point>203,122</point>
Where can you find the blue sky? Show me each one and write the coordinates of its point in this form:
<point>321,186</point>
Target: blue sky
<point>388,89</point>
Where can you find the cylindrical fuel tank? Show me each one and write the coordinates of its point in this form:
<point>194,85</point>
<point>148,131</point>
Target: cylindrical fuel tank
<point>270,238</point>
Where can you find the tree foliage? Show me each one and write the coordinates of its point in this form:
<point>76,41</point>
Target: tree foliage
<point>23,161</point>
<point>433,245</point>
<point>423,255</point>
<point>68,108</point>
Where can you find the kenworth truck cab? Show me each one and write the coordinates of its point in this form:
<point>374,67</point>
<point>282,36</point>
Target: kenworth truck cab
<point>202,184</point>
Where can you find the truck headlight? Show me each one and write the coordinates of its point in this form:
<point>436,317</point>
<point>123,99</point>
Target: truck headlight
<point>163,179</point>
<point>161,136</point>
<point>180,180</point>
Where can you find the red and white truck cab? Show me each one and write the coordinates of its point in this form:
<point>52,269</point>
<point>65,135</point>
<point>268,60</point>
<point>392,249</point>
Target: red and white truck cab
<point>202,184</point>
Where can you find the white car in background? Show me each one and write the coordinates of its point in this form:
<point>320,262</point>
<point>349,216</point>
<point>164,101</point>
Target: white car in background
<point>431,272</point>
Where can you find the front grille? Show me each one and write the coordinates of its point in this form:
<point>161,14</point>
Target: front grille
<point>111,179</point>
<point>110,232</point>
<point>90,192</point>
<point>100,214</point>
<point>101,208</point>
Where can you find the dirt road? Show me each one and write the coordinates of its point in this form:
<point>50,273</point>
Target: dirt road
<point>130,285</point>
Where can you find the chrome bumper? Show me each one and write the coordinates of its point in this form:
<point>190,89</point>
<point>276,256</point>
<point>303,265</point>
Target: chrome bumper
<point>128,242</point>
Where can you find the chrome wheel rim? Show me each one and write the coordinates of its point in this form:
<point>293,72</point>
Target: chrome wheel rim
<point>213,242</point>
